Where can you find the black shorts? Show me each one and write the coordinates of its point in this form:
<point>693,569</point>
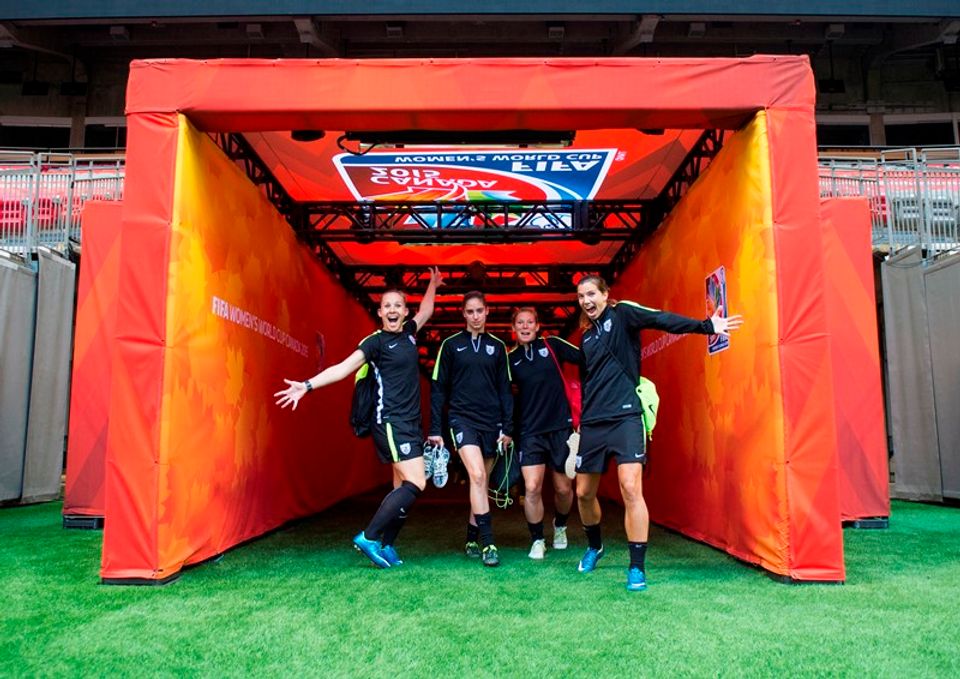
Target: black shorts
<point>546,448</point>
<point>463,434</point>
<point>398,441</point>
<point>624,440</point>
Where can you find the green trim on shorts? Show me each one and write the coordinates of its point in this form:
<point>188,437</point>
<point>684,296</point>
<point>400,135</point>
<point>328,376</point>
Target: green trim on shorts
<point>393,446</point>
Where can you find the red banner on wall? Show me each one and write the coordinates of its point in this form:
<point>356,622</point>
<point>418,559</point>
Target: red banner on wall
<point>852,311</point>
<point>93,340</point>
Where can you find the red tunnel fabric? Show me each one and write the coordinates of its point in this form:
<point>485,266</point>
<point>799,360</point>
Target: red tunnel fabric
<point>173,256</point>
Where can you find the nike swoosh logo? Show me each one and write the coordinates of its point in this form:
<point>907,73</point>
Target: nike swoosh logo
<point>391,346</point>
<point>461,348</point>
<point>518,363</point>
<point>637,455</point>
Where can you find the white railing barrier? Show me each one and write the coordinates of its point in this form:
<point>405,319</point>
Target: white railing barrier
<point>42,195</point>
<point>914,195</point>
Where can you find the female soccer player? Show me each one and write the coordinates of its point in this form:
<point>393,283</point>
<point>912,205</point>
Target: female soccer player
<point>392,353</point>
<point>611,424</point>
<point>472,376</point>
<point>543,424</point>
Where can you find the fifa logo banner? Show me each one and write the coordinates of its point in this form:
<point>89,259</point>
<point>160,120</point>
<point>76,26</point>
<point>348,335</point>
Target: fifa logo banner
<point>511,175</point>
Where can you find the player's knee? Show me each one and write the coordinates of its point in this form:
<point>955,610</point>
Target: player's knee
<point>478,477</point>
<point>586,494</point>
<point>632,493</point>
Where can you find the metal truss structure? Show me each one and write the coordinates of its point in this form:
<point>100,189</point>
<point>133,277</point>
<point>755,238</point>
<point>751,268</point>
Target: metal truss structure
<point>489,221</point>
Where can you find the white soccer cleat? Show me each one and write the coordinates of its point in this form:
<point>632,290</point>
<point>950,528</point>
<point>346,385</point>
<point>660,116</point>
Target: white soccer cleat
<point>559,537</point>
<point>538,550</point>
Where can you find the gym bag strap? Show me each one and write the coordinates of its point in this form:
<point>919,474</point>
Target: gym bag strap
<point>571,388</point>
<point>645,387</point>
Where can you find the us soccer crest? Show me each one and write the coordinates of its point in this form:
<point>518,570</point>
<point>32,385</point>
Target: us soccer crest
<point>459,437</point>
<point>404,448</point>
<point>607,324</point>
<point>544,352</point>
<point>413,340</point>
<point>490,350</point>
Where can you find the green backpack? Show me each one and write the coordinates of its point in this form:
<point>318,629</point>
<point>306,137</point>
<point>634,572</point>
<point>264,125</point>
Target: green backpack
<point>649,404</point>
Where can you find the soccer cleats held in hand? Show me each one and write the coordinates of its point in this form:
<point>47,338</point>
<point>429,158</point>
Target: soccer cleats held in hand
<point>428,453</point>
<point>370,549</point>
<point>439,458</point>
<point>589,560</point>
<point>636,580</point>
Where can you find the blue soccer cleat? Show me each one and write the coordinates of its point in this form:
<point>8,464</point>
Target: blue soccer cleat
<point>636,580</point>
<point>370,549</point>
<point>389,553</point>
<point>590,559</point>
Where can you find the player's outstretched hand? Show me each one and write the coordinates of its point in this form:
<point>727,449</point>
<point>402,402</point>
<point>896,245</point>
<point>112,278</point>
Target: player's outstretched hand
<point>725,325</point>
<point>435,276</point>
<point>292,394</point>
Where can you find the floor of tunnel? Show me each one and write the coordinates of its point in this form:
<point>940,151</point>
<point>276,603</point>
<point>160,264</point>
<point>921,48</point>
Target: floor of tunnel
<point>434,536</point>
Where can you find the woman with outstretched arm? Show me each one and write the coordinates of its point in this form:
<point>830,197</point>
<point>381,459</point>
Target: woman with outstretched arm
<point>611,424</point>
<point>392,353</point>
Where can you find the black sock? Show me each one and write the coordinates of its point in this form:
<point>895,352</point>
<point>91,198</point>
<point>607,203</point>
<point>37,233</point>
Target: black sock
<point>473,533</point>
<point>398,501</point>
<point>593,536</point>
<point>393,529</point>
<point>638,552</point>
<point>485,527</point>
<point>536,530</point>
<point>560,520</point>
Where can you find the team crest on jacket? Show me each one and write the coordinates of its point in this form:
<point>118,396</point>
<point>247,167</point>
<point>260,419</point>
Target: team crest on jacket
<point>413,340</point>
<point>607,324</point>
<point>490,350</point>
<point>544,352</point>
<point>404,448</point>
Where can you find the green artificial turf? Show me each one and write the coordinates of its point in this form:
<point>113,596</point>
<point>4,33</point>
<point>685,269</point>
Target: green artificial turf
<point>301,602</point>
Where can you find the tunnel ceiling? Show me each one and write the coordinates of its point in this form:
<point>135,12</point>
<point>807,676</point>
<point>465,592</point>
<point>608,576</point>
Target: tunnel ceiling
<point>520,222</point>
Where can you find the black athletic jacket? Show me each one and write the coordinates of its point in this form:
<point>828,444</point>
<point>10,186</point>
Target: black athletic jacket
<point>541,401</point>
<point>395,362</point>
<point>475,376</point>
<point>611,347</point>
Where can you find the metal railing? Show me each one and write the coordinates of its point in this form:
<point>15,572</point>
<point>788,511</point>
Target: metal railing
<point>42,196</point>
<point>914,195</point>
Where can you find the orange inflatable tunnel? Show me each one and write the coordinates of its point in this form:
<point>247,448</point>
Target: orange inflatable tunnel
<point>218,301</point>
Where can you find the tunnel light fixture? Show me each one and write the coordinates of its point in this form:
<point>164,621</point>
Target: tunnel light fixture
<point>307,135</point>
